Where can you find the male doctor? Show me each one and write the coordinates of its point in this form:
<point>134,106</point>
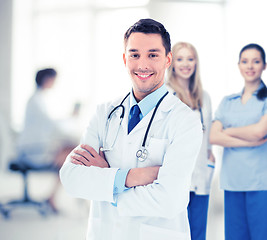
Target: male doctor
<point>133,197</point>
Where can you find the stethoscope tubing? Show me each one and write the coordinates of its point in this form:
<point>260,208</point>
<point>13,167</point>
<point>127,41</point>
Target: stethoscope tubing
<point>117,107</point>
<point>122,116</point>
<point>151,119</point>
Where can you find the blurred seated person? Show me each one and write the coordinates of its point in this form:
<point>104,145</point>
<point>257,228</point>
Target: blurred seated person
<point>43,143</point>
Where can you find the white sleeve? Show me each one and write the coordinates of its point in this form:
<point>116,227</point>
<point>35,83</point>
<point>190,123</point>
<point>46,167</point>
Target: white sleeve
<point>169,194</point>
<point>207,102</point>
<point>91,183</point>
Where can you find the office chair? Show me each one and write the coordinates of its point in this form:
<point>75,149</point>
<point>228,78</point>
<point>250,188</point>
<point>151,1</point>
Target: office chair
<point>43,207</point>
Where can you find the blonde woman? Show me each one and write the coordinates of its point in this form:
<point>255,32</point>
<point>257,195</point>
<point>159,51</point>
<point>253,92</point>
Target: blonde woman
<point>184,80</point>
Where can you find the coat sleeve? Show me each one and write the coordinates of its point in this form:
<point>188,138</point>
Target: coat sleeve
<point>91,183</point>
<point>208,106</point>
<point>169,194</point>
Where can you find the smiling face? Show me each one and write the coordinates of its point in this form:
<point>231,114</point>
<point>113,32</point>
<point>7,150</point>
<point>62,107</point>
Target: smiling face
<point>184,63</point>
<point>146,61</point>
<point>251,65</point>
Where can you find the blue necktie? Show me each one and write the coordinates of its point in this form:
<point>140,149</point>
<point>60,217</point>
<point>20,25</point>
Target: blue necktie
<point>135,118</point>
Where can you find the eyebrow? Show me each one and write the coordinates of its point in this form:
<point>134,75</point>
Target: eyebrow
<point>185,57</point>
<point>150,50</point>
<point>245,58</point>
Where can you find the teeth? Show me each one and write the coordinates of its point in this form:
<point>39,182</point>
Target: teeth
<point>143,76</point>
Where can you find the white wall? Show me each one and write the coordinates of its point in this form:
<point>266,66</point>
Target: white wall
<point>5,79</point>
<point>52,34</point>
<point>201,24</point>
<point>245,22</point>
<point>5,57</point>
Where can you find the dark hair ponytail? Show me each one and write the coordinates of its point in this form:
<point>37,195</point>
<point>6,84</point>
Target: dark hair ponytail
<point>262,93</point>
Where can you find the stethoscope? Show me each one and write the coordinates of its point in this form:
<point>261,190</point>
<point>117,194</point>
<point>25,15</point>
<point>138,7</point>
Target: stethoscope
<point>142,153</point>
<point>201,115</point>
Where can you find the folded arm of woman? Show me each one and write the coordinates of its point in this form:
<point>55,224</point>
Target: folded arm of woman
<point>219,137</point>
<point>254,132</point>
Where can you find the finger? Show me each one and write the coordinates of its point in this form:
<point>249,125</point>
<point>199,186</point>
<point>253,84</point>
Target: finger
<point>90,150</point>
<point>80,159</point>
<point>102,154</point>
<point>83,153</point>
<point>77,162</point>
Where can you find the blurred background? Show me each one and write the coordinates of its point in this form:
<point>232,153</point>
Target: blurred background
<point>83,41</point>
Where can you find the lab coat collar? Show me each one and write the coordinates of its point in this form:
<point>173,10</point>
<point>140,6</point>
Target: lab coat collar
<point>166,105</point>
<point>149,102</point>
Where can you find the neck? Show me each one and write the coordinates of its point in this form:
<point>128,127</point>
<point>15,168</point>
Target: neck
<point>140,95</point>
<point>184,83</point>
<point>251,87</point>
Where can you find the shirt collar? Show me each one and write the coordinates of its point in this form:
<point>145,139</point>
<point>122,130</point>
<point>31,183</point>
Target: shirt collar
<point>254,93</point>
<point>150,101</point>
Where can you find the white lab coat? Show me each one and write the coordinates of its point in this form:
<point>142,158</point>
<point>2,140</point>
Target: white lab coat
<point>202,174</point>
<point>157,211</point>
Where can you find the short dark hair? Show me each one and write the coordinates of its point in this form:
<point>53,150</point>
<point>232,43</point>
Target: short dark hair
<point>147,26</point>
<point>262,93</point>
<point>43,75</point>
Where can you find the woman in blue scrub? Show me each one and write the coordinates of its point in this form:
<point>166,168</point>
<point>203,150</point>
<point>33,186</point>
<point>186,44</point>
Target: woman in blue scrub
<point>184,80</point>
<point>240,126</point>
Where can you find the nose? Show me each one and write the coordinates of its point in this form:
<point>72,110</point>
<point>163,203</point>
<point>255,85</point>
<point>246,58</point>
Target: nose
<point>250,65</point>
<point>143,64</point>
<point>184,63</point>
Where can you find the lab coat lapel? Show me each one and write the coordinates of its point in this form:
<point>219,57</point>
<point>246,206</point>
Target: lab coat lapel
<point>165,106</point>
<point>126,116</point>
<point>116,115</point>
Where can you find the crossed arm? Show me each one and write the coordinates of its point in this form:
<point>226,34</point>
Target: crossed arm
<point>248,136</point>
<point>254,132</point>
<point>87,156</point>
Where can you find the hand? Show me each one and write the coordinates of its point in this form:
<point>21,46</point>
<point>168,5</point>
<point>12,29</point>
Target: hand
<point>141,176</point>
<point>211,156</point>
<point>257,143</point>
<point>87,156</point>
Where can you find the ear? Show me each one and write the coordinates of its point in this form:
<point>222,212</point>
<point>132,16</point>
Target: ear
<point>124,58</point>
<point>264,66</point>
<point>169,59</point>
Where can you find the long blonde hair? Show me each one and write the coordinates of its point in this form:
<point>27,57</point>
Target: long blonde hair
<point>195,86</point>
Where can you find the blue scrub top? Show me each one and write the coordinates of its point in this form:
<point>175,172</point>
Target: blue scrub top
<point>243,168</point>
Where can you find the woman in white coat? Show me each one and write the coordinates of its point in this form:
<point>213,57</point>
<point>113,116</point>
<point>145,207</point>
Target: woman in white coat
<point>184,80</point>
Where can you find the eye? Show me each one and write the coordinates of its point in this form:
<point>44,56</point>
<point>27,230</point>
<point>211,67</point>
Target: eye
<point>244,61</point>
<point>191,59</point>
<point>134,55</point>
<point>152,55</point>
<point>179,59</point>
<point>257,61</point>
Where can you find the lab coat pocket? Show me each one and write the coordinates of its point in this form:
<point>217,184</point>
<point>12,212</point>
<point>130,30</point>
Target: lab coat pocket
<point>210,171</point>
<point>156,150</point>
<point>148,232</point>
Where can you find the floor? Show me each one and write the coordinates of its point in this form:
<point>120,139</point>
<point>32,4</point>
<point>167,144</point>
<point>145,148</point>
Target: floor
<point>26,223</point>
<point>71,222</point>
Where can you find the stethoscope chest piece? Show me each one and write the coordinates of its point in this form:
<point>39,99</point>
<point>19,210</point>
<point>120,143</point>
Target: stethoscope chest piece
<point>141,155</point>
